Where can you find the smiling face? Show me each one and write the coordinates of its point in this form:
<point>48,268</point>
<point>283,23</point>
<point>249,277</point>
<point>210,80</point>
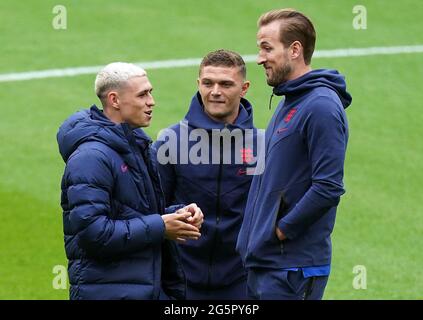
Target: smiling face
<point>134,102</point>
<point>221,89</point>
<point>273,55</point>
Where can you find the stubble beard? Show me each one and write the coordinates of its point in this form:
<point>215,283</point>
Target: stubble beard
<point>280,75</point>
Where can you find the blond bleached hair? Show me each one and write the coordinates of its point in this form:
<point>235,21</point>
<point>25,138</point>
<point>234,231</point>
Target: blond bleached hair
<point>114,75</point>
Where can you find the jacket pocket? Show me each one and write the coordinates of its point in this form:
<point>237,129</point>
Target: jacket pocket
<point>280,212</point>
<point>278,206</point>
<point>263,244</point>
<point>281,208</point>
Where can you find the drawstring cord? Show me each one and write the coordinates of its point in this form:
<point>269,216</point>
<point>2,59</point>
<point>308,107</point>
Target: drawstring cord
<point>270,102</point>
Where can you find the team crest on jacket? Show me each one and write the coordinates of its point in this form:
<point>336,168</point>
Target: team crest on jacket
<point>246,155</point>
<point>290,115</point>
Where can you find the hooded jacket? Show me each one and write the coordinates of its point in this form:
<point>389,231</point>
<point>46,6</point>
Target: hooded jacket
<point>302,182</point>
<point>112,201</point>
<point>218,184</point>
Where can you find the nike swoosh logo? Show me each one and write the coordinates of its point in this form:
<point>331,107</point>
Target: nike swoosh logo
<point>280,130</point>
<point>241,172</point>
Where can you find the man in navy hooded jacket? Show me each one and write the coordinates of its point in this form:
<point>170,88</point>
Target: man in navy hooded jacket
<point>207,159</point>
<point>116,229</point>
<point>285,238</point>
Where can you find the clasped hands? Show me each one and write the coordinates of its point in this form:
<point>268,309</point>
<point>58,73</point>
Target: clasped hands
<point>184,224</point>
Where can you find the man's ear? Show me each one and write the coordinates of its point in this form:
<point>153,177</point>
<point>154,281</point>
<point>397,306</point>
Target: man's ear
<point>245,87</point>
<point>113,99</point>
<point>296,50</point>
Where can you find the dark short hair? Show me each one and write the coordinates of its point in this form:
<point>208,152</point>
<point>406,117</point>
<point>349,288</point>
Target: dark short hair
<point>294,26</point>
<point>224,58</point>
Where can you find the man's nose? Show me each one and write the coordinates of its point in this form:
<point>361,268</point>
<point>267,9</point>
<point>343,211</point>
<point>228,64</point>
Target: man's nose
<point>151,101</point>
<point>260,59</point>
<point>216,90</point>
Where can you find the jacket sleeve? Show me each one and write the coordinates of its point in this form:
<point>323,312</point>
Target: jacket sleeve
<point>90,183</point>
<point>326,134</point>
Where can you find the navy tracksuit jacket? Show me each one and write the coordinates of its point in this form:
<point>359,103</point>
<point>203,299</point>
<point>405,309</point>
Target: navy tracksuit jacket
<point>220,190</point>
<point>302,182</point>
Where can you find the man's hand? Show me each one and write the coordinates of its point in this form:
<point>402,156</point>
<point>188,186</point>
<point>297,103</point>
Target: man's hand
<point>176,227</point>
<point>197,217</point>
<point>280,234</point>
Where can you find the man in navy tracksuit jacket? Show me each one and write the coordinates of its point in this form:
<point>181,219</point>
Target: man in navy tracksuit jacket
<point>117,232</point>
<point>213,268</point>
<point>285,236</point>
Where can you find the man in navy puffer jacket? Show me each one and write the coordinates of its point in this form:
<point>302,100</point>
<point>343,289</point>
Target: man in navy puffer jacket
<point>203,168</point>
<point>117,231</point>
<point>285,236</point>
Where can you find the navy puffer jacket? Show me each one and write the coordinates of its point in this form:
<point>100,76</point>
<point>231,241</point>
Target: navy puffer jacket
<point>112,202</point>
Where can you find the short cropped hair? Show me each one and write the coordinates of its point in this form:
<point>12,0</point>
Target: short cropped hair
<point>294,26</point>
<point>224,58</point>
<point>114,75</point>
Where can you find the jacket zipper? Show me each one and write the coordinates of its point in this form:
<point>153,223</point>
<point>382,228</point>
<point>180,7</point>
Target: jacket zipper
<point>134,148</point>
<point>219,182</point>
<point>261,176</point>
<point>259,187</point>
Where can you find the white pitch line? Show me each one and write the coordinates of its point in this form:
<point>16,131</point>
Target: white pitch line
<point>166,64</point>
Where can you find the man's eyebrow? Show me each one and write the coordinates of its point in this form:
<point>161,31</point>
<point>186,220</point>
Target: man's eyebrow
<point>219,81</point>
<point>206,79</point>
<point>226,81</point>
<point>260,43</point>
<point>145,91</point>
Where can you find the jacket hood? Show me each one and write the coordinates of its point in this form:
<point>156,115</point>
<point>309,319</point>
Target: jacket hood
<point>197,118</point>
<point>93,125</point>
<point>331,79</point>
